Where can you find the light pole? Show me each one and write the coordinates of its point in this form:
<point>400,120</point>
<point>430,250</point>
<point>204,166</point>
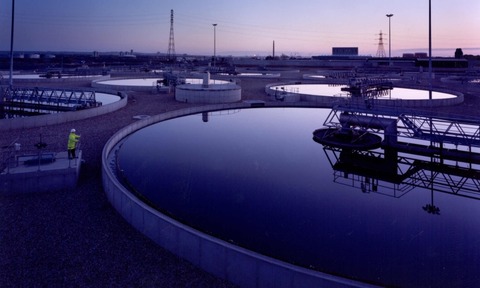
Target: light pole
<point>389,39</point>
<point>10,83</point>
<point>430,47</point>
<point>214,43</point>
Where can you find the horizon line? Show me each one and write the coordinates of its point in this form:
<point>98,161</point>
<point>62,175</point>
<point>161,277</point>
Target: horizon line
<point>227,53</point>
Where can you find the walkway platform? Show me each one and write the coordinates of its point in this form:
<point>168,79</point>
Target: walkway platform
<point>32,174</point>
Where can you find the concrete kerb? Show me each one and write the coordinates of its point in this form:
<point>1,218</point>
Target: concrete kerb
<point>225,260</point>
<point>64,117</point>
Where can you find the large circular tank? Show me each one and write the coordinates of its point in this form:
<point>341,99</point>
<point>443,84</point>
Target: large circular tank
<point>208,93</point>
<point>328,93</point>
<point>246,194</point>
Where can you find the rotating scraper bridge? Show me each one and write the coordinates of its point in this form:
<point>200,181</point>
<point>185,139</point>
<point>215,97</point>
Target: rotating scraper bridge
<point>39,99</point>
<point>435,132</point>
<point>360,113</point>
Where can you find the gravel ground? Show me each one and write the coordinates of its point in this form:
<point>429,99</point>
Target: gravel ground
<point>74,237</point>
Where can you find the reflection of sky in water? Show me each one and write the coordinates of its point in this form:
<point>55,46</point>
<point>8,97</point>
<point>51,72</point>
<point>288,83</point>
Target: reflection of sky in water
<point>328,90</point>
<point>153,81</point>
<point>256,178</point>
<point>106,98</point>
<point>23,76</point>
<point>37,76</point>
<point>252,74</point>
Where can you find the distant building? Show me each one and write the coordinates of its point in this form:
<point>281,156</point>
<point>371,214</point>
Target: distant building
<point>421,55</point>
<point>345,51</point>
<point>408,55</point>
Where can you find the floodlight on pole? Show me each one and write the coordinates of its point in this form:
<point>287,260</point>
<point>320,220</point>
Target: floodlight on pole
<point>430,47</point>
<point>389,38</point>
<point>214,43</point>
<point>10,83</point>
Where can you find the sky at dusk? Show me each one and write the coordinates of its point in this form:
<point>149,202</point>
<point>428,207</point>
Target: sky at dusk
<point>246,27</point>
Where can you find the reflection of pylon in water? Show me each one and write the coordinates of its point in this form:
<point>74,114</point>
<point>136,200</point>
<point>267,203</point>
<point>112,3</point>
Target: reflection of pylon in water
<point>381,49</point>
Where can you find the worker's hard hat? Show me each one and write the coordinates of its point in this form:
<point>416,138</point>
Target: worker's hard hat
<point>73,131</point>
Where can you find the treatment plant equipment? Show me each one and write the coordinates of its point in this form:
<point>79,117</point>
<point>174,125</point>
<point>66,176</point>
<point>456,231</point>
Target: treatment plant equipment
<point>351,123</point>
<point>395,175</point>
<point>35,100</point>
<point>436,152</point>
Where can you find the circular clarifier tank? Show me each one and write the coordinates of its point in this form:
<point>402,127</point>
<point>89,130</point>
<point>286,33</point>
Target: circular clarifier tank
<point>255,179</point>
<point>143,84</point>
<point>208,92</point>
<point>28,111</point>
<point>397,96</point>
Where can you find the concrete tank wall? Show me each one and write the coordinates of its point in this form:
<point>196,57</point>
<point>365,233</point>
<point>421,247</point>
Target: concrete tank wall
<point>212,94</point>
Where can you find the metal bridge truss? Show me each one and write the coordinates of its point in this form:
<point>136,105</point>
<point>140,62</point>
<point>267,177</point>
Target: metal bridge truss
<point>428,157</point>
<point>436,130</point>
<point>48,98</point>
<point>460,179</point>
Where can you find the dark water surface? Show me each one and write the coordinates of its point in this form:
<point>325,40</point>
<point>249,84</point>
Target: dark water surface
<point>255,178</point>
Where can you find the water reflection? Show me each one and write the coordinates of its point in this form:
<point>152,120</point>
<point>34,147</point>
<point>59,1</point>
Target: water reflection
<point>371,170</point>
<point>149,82</point>
<point>256,179</point>
<point>335,90</point>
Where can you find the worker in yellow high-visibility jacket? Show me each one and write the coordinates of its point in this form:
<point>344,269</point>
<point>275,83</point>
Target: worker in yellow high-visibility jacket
<point>73,138</point>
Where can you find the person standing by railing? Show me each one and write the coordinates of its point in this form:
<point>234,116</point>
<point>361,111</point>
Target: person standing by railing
<point>73,138</point>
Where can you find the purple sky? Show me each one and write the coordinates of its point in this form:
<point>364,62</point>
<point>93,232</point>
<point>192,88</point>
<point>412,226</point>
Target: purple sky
<point>303,27</point>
